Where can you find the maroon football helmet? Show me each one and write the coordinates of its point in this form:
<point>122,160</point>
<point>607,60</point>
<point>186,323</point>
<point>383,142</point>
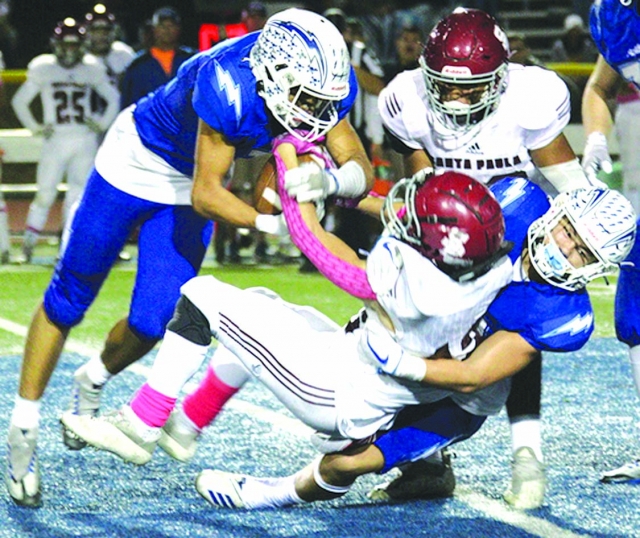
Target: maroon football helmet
<point>451,219</point>
<point>67,42</point>
<point>467,53</point>
<point>101,29</point>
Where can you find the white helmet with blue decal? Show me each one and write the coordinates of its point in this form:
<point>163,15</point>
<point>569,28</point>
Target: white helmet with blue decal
<point>604,220</point>
<point>301,63</point>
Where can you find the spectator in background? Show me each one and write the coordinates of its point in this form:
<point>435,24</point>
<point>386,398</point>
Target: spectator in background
<point>152,68</point>
<point>521,54</point>
<point>64,81</point>
<point>408,48</point>
<point>254,16</point>
<point>144,36</point>
<point>575,45</point>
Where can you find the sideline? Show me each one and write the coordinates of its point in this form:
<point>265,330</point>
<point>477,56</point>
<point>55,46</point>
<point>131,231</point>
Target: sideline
<point>492,508</point>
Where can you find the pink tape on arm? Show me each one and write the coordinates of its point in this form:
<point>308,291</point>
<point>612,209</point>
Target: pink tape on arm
<point>351,279</point>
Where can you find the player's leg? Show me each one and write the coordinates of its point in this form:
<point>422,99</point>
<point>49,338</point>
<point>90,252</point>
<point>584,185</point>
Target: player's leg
<point>76,281</point>
<point>172,244</point>
<point>223,378</point>
<point>528,472</point>
<point>417,446</point>
<point>257,329</point>
<point>628,135</point>
<point>49,174</point>
<point>422,430</point>
<point>78,172</point>
<point>627,322</point>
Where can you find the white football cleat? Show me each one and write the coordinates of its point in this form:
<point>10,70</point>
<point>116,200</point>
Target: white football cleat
<point>85,400</point>
<point>528,481</point>
<point>627,473</point>
<point>176,440</point>
<point>220,488</point>
<point>116,433</point>
<point>22,476</point>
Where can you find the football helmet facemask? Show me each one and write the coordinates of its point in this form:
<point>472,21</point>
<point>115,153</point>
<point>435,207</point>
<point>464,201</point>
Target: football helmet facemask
<point>465,57</point>
<point>451,219</point>
<point>67,42</point>
<point>602,218</point>
<point>301,63</point>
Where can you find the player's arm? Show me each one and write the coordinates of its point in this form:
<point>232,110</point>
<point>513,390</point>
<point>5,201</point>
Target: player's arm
<point>603,85</point>
<point>559,164</point>
<point>500,356</point>
<point>108,92</point>
<point>213,159</point>
<point>347,151</point>
<point>20,102</point>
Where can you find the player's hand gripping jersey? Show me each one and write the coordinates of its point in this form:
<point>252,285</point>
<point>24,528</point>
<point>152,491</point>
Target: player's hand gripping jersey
<point>533,110</point>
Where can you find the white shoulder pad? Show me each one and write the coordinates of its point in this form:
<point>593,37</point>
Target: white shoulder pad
<point>43,61</point>
<point>402,107</point>
<point>540,96</point>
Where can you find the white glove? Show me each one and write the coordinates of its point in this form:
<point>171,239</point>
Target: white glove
<point>309,182</point>
<point>596,157</point>
<point>385,353</point>
<point>272,224</point>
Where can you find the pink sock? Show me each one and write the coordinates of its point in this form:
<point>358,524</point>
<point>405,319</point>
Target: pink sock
<point>152,407</point>
<point>204,404</point>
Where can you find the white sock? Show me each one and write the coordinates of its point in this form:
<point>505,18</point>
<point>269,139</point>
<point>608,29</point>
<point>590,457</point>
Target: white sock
<point>96,371</point>
<point>270,492</point>
<point>26,413</point>
<point>527,433</point>
<point>177,360</point>
<point>184,424</point>
<point>148,433</point>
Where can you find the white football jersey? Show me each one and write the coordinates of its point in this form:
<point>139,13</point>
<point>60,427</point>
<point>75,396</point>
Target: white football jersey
<point>428,310</point>
<point>533,110</point>
<point>65,95</point>
<point>117,60</point>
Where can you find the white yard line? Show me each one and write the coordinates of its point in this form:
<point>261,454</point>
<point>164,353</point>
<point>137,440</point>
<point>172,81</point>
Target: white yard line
<point>494,509</point>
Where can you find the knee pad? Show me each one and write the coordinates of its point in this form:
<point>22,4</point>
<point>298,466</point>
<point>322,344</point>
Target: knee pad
<point>190,323</point>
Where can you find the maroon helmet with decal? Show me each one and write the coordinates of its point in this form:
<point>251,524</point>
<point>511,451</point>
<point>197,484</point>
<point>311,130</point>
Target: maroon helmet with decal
<point>67,42</point>
<point>451,219</point>
<point>465,56</point>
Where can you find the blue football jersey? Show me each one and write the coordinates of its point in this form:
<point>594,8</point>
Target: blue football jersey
<point>547,317</point>
<point>217,86</point>
<point>616,32</point>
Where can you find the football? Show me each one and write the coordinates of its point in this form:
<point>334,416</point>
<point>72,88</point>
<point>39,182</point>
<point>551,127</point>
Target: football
<point>265,193</point>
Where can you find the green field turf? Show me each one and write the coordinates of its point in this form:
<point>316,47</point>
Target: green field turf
<point>22,287</point>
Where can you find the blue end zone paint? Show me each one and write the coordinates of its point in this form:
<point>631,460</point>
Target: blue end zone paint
<point>590,413</point>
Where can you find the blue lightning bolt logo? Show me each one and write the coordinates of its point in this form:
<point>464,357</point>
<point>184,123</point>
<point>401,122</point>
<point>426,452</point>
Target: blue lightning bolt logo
<point>513,192</point>
<point>577,324</point>
<point>230,88</point>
